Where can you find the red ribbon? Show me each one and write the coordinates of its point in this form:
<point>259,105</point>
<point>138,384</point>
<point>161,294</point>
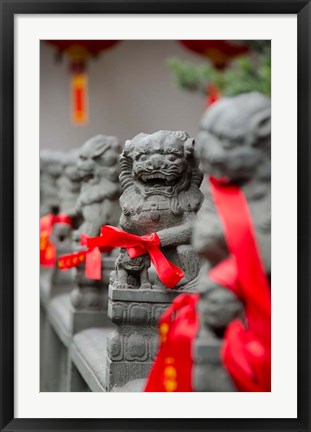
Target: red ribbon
<point>213,94</point>
<point>247,350</point>
<point>113,237</point>
<point>62,218</point>
<point>91,257</point>
<point>178,326</point>
<point>47,248</point>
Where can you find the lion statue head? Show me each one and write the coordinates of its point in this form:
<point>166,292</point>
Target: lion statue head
<point>99,169</point>
<point>235,138</point>
<point>234,143</point>
<point>160,164</point>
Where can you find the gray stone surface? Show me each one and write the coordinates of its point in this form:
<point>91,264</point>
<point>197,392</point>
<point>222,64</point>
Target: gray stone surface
<point>59,315</point>
<point>69,183</point>
<point>142,295</point>
<point>134,386</point>
<point>45,286</point>
<point>53,356</point>
<point>88,351</point>
<point>234,142</point>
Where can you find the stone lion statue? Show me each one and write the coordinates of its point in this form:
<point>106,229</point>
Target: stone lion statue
<point>99,169</point>
<point>234,143</point>
<point>161,180</point>
<point>50,170</point>
<point>98,204</point>
<point>69,183</point>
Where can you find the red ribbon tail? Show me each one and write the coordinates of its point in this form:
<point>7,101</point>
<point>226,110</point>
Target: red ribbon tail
<point>135,245</point>
<point>93,264</point>
<point>63,218</point>
<point>169,274</point>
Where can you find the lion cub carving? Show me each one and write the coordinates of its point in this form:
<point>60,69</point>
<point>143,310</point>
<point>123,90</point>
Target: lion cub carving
<point>161,180</point>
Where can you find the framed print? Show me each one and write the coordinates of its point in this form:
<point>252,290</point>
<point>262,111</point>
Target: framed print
<point>93,337</point>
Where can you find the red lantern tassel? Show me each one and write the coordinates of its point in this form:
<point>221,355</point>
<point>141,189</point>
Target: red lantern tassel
<point>79,98</point>
<point>213,94</point>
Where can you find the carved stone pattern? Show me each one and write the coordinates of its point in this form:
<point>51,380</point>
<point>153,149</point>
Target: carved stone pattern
<point>133,344</point>
<point>125,313</point>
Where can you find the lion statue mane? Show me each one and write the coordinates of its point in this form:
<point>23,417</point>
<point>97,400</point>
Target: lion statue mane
<point>179,178</point>
<point>99,169</point>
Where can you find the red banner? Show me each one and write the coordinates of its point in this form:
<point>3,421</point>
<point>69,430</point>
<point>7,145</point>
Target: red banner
<point>178,327</point>
<point>47,248</point>
<point>91,257</point>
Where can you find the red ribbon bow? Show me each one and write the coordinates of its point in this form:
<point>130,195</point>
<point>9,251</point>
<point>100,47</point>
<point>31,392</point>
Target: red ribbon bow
<point>47,248</point>
<point>91,257</point>
<point>135,245</point>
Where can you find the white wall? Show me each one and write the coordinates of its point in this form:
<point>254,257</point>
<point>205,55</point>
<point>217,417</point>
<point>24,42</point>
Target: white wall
<point>131,90</point>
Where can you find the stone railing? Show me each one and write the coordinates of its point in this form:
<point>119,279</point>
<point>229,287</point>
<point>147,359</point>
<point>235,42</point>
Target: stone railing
<point>102,335</point>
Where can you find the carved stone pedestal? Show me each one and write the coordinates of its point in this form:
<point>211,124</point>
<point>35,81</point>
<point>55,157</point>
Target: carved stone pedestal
<point>134,344</point>
<point>89,305</point>
<point>90,299</point>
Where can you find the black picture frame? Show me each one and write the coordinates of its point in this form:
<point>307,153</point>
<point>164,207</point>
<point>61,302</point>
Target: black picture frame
<point>8,9</point>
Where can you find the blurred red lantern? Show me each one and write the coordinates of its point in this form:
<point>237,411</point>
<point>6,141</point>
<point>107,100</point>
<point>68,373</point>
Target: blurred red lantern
<point>219,52</point>
<point>79,52</point>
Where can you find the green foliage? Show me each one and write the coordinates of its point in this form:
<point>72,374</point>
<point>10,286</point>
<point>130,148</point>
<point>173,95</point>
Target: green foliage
<point>245,74</point>
<point>258,46</point>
